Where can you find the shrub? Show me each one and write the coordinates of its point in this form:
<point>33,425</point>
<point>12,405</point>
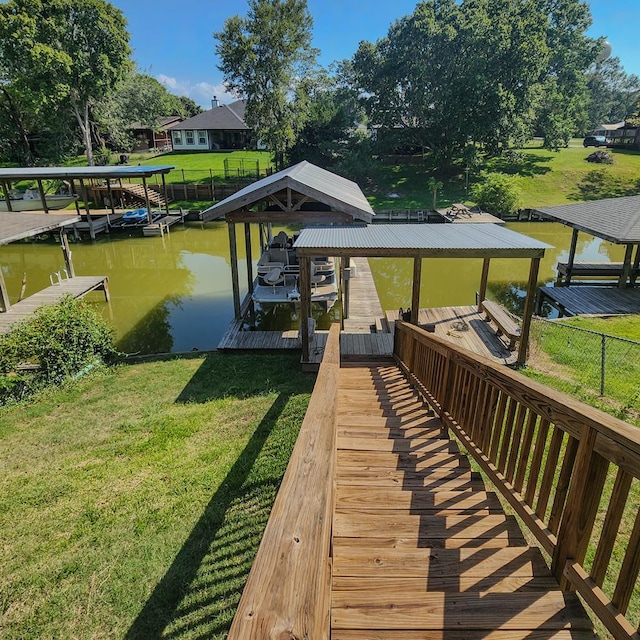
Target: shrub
<point>498,194</point>
<point>56,342</point>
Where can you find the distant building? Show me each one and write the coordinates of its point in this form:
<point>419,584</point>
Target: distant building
<point>160,138</point>
<point>222,127</point>
<point>620,134</point>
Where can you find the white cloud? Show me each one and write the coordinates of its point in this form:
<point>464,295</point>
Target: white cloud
<point>201,92</point>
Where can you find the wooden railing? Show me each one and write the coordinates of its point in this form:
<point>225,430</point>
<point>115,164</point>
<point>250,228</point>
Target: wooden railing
<point>287,594</point>
<point>568,470</point>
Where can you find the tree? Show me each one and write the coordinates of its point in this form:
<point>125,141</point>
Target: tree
<point>185,107</point>
<point>266,58</point>
<point>498,193</point>
<point>71,53</point>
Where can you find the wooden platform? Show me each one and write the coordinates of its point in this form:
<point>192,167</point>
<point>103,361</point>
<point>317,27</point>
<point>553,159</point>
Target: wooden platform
<point>604,273</point>
<point>365,310</point>
<point>161,226</point>
<point>581,300</point>
<point>77,287</point>
<point>421,551</point>
<point>478,337</point>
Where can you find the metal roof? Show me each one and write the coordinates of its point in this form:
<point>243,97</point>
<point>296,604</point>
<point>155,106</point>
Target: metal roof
<point>419,240</point>
<point>305,178</point>
<point>613,219</point>
<point>17,226</point>
<point>45,173</point>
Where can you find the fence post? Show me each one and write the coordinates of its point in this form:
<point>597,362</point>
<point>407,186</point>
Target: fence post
<point>603,355</point>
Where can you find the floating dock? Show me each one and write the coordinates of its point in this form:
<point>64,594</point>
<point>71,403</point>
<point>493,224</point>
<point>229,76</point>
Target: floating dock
<point>597,301</point>
<point>77,287</point>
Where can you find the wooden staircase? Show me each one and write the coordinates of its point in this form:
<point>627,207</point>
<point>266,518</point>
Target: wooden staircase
<point>137,191</point>
<point>421,551</point>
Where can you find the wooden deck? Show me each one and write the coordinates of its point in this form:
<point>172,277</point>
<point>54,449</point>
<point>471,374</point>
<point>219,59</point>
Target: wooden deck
<point>582,300</point>
<point>365,310</point>
<point>420,549</point>
<point>77,287</point>
<point>450,322</point>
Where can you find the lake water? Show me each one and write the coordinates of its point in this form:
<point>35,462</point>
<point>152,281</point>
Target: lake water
<point>174,293</point>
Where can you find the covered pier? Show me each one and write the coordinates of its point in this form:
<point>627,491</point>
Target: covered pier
<point>112,176</point>
<point>420,241</point>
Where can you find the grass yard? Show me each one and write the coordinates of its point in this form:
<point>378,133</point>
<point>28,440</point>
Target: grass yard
<point>132,501</point>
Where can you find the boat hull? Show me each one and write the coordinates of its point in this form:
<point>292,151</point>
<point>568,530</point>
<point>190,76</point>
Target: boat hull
<point>35,204</point>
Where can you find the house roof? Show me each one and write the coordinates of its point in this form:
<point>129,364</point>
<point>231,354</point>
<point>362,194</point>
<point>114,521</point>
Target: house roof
<point>419,240</point>
<point>305,178</point>
<point>224,117</point>
<point>14,227</point>
<point>613,219</point>
<point>611,127</point>
<point>163,123</point>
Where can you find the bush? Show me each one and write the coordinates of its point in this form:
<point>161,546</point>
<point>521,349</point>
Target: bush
<point>498,194</point>
<point>56,342</point>
<point>601,157</point>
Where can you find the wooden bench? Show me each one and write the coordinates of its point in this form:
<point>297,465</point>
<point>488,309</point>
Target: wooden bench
<point>506,325</point>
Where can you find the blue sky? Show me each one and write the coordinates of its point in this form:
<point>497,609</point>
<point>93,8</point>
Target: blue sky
<point>173,41</point>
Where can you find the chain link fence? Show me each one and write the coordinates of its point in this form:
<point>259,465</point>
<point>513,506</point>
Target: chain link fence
<point>581,361</point>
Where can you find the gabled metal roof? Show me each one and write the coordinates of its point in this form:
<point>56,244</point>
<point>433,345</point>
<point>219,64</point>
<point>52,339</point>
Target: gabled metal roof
<point>305,178</point>
<point>17,226</point>
<point>45,173</point>
<point>419,240</point>
<point>613,219</point>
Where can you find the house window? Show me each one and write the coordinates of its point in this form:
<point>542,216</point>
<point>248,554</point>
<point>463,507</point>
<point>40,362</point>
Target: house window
<point>190,138</point>
<point>202,137</point>
<point>177,137</point>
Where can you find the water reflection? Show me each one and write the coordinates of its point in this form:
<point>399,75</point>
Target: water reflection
<point>174,293</point>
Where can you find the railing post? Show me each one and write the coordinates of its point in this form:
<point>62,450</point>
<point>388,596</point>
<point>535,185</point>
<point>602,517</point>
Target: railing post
<point>585,491</point>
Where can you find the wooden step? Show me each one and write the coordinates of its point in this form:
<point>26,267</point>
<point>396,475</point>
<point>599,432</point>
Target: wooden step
<point>417,445</point>
<point>370,523</point>
<point>439,563</point>
<point>446,479</point>
<point>463,634</point>
<point>417,500</point>
<point>400,461</point>
<point>516,539</point>
<point>492,611</point>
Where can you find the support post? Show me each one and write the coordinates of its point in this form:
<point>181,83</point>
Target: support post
<point>528,310</point>
<point>305,305</point>
<point>66,252</point>
<point>482,294</point>
<point>4,294</point>
<point>110,196</point>
<point>166,200</point>
<point>247,245</point>
<point>626,267</point>
<point>415,295</point>
<point>72,184</point>
<point>6,188</point>
<point>146,199</point>
<point>636,266</point>
<point>572,256</point>
<point>346,287</point>
<point>43,197</point>
<point>233,254</point>
<point>92,233</point>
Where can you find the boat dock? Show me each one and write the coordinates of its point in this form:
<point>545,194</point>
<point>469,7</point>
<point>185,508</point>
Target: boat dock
<point>583,300</point>
<point>161,226</point>
<point>77,287</point>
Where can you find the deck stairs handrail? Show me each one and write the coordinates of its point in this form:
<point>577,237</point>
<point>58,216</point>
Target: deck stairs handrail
<point>551,457</point>
<point>287,594</point>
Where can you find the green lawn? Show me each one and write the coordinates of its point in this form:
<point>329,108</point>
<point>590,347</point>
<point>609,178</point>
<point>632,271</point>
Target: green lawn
<point>132,501</point>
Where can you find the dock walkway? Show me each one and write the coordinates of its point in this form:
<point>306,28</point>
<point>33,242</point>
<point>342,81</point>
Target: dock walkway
<point>582,300</point>
<point>365,310</point>
<point>77,287</point>
<point>420,549</point>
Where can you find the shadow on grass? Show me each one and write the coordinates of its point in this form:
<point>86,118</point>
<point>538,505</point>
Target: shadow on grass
<point>204,582</point>
<point>519,163</point>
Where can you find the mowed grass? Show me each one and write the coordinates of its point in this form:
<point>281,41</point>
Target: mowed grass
<point>132,501</point>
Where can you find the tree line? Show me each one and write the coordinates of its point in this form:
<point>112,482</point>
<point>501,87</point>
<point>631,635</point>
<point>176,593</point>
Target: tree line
<point>67,81</point>
<point>453,78</point>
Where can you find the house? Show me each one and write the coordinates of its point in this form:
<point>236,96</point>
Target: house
<point>620,134</point>
<point>222,127</point>
<point>160,138</point>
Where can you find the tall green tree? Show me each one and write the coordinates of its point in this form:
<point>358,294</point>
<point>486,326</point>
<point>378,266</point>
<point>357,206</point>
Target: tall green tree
<point>71,53</point>
<point>266,58</point>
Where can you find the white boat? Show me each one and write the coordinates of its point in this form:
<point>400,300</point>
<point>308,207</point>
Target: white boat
<point>31,201</point>
<point>279,273</point>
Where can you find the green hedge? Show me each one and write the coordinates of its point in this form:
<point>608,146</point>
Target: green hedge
<point>55,343</point>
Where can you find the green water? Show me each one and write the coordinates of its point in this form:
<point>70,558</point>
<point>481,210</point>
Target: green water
<point>174,293</point>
